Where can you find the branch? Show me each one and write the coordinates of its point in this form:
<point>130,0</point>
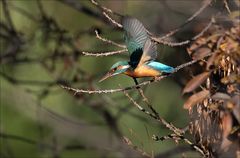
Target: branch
<point>226,6</point>
<point>156,79</point>
<point>104,12</point>
<point>81,8</point>
<point>23,139</point>
<point>173,44</point>
<point>111,20</point>
<point>104,53</point>
<point>129,143</point>
<point>180,137</point>
<point>173,152</point>
<point>105,8</point>
<point>8,16</point>
<point>108,41</point>
<point>155,116</point>
<point>206,3</point>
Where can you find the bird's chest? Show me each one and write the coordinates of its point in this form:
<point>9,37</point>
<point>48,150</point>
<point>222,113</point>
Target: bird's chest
<point>142,71</point>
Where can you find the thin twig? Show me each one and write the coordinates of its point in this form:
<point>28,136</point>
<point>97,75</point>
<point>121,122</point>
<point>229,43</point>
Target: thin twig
<point>112,21</point>
<point>105,8</point>
<point>155,116</point>
<point>23,139</point>
<point>226,6</point>
<point>170,136</point>
<point>173,152</point>
<point>174,44</point>
<point>83,9</point>
<point>180,137</point>
<point>8,16</point>
<point>139,106</point>
<point>104,53</point>
<point>129,143</point>
<point>206,3</point>
<point>104,12</point>
<point>145,100</point>
<point>108,41</point>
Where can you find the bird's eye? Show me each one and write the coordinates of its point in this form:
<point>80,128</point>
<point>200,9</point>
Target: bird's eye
<point>115,69</point>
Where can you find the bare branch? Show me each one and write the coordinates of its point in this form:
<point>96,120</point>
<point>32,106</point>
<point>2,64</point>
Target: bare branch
<point>23,139</point>
<point>108,41</point>
<point>105,9</point>
<point>155,116</point>
<point>129,143</point>
<point>104,53</point>
<point>156,79</point>
<point>111,20</point>
<point>173,44</point>
<point>226,6</point>
<point>180,137</point>
<point>206,3</point>
<point>8,16</point>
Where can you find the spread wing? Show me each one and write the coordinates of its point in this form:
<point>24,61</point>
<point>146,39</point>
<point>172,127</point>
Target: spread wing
<point>135,33</point>
<point>149,52</point>
<point>135,37</point>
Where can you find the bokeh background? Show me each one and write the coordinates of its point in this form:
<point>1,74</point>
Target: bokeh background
<point>41,44</point>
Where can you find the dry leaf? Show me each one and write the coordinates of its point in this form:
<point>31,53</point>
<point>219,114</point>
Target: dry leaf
<point>230,79</point>
<point>227,128</point>
<point>227,124</point>
<point>222,96</point>
<point>196,98</point>
<point>201,53</point>
<point>236,110</point>
<point>196,82</point>
<point>211,60</point>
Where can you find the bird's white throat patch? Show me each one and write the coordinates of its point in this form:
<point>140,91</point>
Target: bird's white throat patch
<point>125,67</point>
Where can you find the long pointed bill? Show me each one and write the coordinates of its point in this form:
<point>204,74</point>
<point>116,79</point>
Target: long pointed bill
<point>106,76</point>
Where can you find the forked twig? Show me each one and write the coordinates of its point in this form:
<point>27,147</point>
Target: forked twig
<point>105,12</point>
<point>155,115</point>
<point>174,44</point>
<point>206,3</point>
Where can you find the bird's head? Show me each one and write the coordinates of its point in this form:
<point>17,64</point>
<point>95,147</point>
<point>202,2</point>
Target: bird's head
<point>117,68</point>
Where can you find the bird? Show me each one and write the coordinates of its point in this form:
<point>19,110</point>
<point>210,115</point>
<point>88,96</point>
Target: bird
<point>142,51</point>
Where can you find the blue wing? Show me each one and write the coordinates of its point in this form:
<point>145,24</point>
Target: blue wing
<point>160,67</point>
<point>135,37</point>
<point>135,34</point>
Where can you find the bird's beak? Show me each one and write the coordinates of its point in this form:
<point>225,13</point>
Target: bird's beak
<point>109,74</point>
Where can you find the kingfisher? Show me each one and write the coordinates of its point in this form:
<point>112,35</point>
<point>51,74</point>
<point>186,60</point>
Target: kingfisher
<point>142,51</point>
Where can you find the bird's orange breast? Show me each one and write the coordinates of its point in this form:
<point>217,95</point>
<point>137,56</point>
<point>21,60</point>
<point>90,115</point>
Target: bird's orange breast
<point>142,71</point>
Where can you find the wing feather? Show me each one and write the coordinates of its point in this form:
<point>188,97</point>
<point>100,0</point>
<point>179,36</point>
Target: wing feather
<point>149,52</point>
<point>135,33</point>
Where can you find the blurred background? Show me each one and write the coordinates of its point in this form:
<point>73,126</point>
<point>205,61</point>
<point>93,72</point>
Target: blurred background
<point>41,44</point>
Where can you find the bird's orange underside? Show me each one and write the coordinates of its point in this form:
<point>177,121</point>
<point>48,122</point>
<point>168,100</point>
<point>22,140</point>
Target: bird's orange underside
<point>142,71</point>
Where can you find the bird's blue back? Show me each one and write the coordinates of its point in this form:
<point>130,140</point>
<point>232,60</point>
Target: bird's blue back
<point>160,67</point>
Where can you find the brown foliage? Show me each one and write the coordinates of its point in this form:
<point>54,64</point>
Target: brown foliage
<point>215,117</point>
